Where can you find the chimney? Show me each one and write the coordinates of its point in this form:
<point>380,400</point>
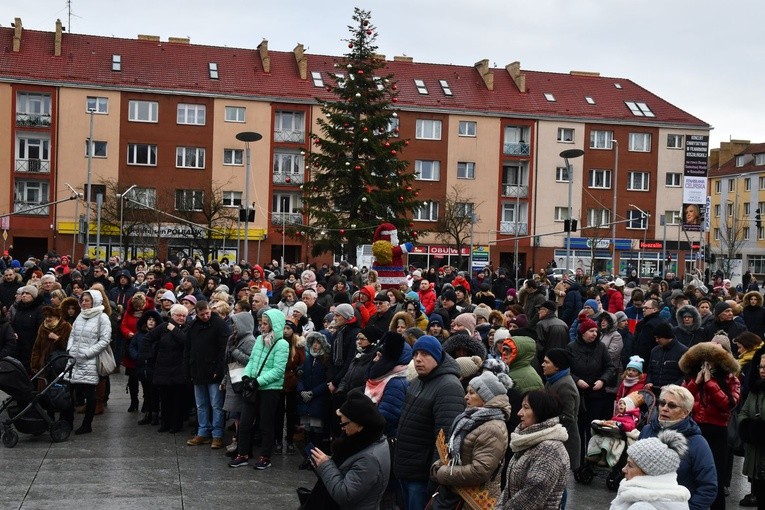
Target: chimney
<point>302,61</point>
<point>57,40</point>
<point>593,74</point>
<point>17,35</point>
<point>403,58</point>
<point>179,40</point>
<point>144,37</point>
<point>514,70</point>
<point>264,58</point>
<point>482,67</point>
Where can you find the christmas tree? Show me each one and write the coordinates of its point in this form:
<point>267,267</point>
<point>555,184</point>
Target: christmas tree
<point>356,178</point>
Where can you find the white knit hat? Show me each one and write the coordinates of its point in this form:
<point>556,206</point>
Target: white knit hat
<point>659,455</point>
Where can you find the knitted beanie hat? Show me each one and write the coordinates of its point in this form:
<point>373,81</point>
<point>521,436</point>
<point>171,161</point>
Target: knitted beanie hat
<point>663,330</point>
<point>345,311</point>
<point>560,358</point>
<point>721,307</point>
<point>469,365</point>
<point>487,386</point>
<point>430,345</point>
<point>636,362</point>
<point>466,320</point>
<point>592,304</point>
<point>659,455</point>
<point>722,339</point>
<point>586,325</point>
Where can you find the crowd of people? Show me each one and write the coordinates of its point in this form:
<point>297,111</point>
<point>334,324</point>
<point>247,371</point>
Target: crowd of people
<point>444,387</point>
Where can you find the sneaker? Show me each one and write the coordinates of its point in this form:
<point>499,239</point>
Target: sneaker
<point>239,461</point>
<point>291,449</point>
<point>197,440</point>
<point>217,443</point>
<point>232,447</point>
<point>263,463</point>
<point>278,448</point>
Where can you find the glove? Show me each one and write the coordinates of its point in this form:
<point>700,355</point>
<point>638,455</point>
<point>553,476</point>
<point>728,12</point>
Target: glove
<point>253,384</point>
<point>307,396</point>
<point>245,378</point>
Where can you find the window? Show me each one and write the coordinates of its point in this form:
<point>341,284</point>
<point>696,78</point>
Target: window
<point>561,213</point>
<point>233,157</point>
<point>601,139</point>
<point>289,126</point>
<point>757,262</point>
<point>192,114</point>
<point>95,190</point>
<point>561,174</point>
<point>600,179</point>
<point>232,198</point>
<point>99,105</point>
<point>672,217</point>
<point>639,109</point>
<point>760,236</point>
<point>731,185</point>
<point>235,113</point>
<point>729,209</point>
<point>32,154</point>
<point>142,154</point>
<point>550,97</point>
<point>638,181</point>
<point>445,87</point>
<point>146,197</point>
<point>466,170</point>
<point>640,142</point>
<point>189,199</point>
<point>427,170</point>
<point>467,128</point>
<point>674,141</point>
<point>717,234</point>
<point>589,100</point>
<point>598,217</point>
<point>379,83</point>
<point>287,204</point>
<point>428,129</point>
<point>427,212</point>
<point>190,157</point>
<point>393,124</point>
<point>116,63</point>
<point>673,179</point>
<point>99,149</point>
<point>747,208</point>
<point>32,110</point>
<point>464,209</point>
<point>566,135</point>
<point>213,68</point>
<point>28,195</point>
<point>318,81</point>
<point>421,88</point>
<point>761,181</point>
<point>618,86</point>
<point>143,111</point>
<point>746,233</point>
<point>636,220</point>
<point>717,210</point>
<point>759,159</point>
<point>288,163</point>
<point>510,215</point>
<point>740,161</point>
<point>748,184</point>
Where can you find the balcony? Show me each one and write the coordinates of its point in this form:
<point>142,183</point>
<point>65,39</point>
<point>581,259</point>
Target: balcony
<point>513,228</point>
<point>36,166</point>
<point>288,178</point>
<point>514,191</point>
<point>278,218</point>
<point>30,208</point>
<point>516,149</point>
<point>32,119</point>
<point>289,135</point>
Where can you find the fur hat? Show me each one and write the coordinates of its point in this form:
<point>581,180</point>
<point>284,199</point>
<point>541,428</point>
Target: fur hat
<point>430,345</point>
<point>469,365</point>
<point>693,359</point>
<point>561,358</point>
<point>466,320</point>
<point>663,330</point>
<point>488,386</point>
<point>659,455</point>
<point>345,311</point>
<point>29,289</point>
<point>636,362</point>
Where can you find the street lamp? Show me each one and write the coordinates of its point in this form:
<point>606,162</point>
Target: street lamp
<point>613,220</point>
<point>247,137</point>
<point>91,111</point>
<point>645,232</point>
<point>566,155</point>
<point>121,198</point>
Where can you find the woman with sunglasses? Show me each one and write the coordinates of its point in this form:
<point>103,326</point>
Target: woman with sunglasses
<point>697,468</point>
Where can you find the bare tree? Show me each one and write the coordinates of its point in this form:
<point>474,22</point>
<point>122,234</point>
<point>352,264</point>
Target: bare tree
<point>596,234</point>
<point>454,226</point>
<point>732,238</point>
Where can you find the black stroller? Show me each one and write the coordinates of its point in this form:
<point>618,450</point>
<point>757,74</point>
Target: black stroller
<point>28,408</point>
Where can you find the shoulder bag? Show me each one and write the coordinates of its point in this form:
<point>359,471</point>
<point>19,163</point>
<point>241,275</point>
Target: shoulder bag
<point>105,360</point>
<point>250,393</point>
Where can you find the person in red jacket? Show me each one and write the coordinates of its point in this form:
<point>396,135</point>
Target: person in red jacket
<point>366,303</point>
<point>616,296</point>
<point>137,305</point>
<point>427,295</point>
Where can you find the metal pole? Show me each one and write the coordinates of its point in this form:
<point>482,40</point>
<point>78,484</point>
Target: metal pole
<point>284,233</point>
<point>472,228</point>
<point>566,155</point>
<point>99,203</point>
<point>90,173</point>
<point>247,137</point>
<point>663,220</point>
<point>614,267</point>
<point>645,232</point>
<point>121,198</point>
<point>517,213</point>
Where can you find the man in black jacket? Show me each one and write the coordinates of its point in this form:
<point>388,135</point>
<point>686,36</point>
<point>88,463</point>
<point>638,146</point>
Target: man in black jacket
<point>664,365</point>
<point>645,340</point>
<point>432,402</point>
<point>205,361</point>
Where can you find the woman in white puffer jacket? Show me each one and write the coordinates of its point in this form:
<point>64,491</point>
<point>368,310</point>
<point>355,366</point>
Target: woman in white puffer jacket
<point>91,334</point>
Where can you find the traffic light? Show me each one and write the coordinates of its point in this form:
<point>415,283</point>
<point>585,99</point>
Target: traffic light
<point>573,225</point>
<point>243,213</point>
<point>757,222</point>
<point>569,225</point>
<point>706,253</point>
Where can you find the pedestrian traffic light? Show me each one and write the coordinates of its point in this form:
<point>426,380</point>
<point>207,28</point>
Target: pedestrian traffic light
<point>573,225</point>
<point>706,253</point>
<point>757,222</point>
<point>567,225</point>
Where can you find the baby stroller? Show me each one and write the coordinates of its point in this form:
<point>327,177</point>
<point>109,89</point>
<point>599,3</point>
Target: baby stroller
<point>28,408</point>
<point>586,472</point>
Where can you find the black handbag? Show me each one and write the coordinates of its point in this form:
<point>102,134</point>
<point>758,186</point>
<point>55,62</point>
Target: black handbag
<point>249,387</point>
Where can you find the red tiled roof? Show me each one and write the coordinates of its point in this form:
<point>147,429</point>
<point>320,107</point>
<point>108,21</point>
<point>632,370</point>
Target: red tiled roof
<point>177,67</point>
<point>730,168</point>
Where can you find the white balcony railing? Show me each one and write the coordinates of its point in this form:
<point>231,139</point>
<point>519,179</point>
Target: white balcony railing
<point>30,208</point>
<point>517,149</point>
<point>289,135</point>
<point>513,191</point>
<point>279,218</point>
<point>33,166</point>
<point>288,178</point>
<point>32,119</point>
<point>513,228</point>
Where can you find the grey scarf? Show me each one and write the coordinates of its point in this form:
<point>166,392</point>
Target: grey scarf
<point>466,423</point>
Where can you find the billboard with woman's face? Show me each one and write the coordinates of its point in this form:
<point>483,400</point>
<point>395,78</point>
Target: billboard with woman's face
<point>692,217</point>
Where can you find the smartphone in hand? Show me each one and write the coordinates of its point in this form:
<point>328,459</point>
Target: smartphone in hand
<point>308,455</point>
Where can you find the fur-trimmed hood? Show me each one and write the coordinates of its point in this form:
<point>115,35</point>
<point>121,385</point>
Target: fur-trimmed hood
<point>748,295</point>
<point>691,361</point>
<point>462,340</point>
<point>696,317</point>
<point>610,319</point>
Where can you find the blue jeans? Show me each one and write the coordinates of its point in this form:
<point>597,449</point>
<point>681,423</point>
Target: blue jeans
<point>415,494</point>
<point>209,396</point>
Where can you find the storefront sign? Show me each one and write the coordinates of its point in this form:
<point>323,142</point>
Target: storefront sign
<point>582,243</point>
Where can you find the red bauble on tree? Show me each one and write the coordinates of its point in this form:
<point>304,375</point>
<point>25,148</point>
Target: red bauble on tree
<point>350,45</point>
<point>393,152</point>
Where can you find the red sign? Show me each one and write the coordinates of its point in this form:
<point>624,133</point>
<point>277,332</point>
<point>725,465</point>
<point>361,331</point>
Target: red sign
<point>420,250</point>
<point>447,250</point>
<point>651,245</point>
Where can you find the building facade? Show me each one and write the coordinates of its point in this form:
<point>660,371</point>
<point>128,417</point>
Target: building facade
<point>169,169</point>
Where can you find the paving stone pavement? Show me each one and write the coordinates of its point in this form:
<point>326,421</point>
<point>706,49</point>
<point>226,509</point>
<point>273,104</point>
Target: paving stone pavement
<point>125,466</point>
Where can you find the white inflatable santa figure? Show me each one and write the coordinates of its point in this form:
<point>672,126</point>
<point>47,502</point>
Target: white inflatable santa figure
<point>389,260</point>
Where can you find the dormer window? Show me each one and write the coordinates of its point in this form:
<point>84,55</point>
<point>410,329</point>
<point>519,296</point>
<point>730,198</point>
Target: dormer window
<point>318,81</point>
<point>116,62</point>
<point>213,70</point>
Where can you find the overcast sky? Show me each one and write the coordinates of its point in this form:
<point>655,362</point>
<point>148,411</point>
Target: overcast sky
<point>705,57</point>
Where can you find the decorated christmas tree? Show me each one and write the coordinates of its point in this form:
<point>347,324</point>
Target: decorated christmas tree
<point>356,178</point>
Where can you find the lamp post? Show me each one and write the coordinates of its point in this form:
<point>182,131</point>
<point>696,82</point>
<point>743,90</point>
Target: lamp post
<point>121,198</point>
<point>247,137</point>
<point>566,155</point>
<point>91,111</point>
<point>613,220</point>
<point>645,232</point>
